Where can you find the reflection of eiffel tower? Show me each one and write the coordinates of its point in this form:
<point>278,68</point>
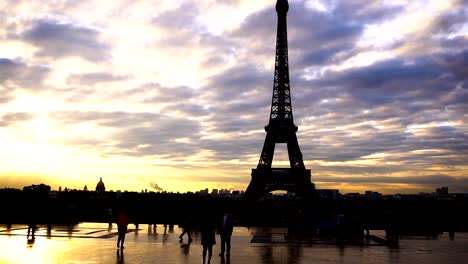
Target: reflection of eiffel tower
<point>281,129</point>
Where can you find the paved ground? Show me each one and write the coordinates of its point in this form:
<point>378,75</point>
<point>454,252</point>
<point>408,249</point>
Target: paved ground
<point>96,243</point>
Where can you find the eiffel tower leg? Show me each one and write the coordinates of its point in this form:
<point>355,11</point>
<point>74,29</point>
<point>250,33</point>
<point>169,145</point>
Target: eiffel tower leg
<point>257,186</point>
<point>255,189</point>
<point>267,152</point>
<point>294,152</point>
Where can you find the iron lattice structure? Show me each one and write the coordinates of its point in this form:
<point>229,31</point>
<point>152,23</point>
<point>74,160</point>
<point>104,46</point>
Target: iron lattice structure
<point>280,129</point>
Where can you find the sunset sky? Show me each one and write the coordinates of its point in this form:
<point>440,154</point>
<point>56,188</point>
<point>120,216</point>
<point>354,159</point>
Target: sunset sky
<point>176,94</point>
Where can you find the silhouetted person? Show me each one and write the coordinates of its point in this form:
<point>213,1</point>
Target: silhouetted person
<point>225,232</point>
<point>187,229</point>
<point>122,223</point>
<point>207,239</point>
<point>340,226</point>
<point>31,229</point>
<point>49,230</point>
<point>109,217</point>
<point>33,212</point>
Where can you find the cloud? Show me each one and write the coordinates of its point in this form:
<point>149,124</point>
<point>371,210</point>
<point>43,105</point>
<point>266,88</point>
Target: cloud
<point>366,112</point>
<point>19,73</point>
<point>183,17</point>
<point>94,78</point>
<point>5,95</point>
<point>135,134</point>
<point>429,179</point>
<point>58,40</point>
<point>9,119</point>
<point>179,26</point>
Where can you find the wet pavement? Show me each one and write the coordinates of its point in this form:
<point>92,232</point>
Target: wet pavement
<point>96,243</point>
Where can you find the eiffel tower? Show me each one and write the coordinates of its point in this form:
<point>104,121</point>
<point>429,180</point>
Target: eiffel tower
<point>280,129</point>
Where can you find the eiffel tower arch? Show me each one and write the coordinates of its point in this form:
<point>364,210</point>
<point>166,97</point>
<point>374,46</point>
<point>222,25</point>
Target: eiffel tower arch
<point>280,129</point>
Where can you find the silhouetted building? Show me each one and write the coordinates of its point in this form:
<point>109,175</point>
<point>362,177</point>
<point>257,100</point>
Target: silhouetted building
<point>224,192</point>
<point>85,188</point>
<point>204,192</point>
<point>329,194</point>
<point>352,195</point>
<point>100,187</point>
<point>372,195</point>
<point>37,188</point>
<point>442,192</point>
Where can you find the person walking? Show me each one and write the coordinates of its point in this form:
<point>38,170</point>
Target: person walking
<point>186,226</point>
<point>31,229</point>
<point>207,239</point>
<point>226,228</point>
<point>122,223</point>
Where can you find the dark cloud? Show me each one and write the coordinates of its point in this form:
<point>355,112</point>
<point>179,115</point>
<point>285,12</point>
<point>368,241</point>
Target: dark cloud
<point>364,12</point>
<point>57,40</point>
<point>413,82</point>
<point>449,22</point>
<point>315,37</point>
<point>386,80</point>
<point>235,82</point>
<point>18,72</point>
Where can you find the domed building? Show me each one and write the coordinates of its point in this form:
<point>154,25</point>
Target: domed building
<point>100,187</point>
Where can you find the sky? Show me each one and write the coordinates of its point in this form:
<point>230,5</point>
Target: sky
<point>174,95</point>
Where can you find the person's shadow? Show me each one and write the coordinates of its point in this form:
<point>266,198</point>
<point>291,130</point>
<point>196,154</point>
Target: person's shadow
<point>120,256</point>
<point>185,248</point>
<point>30,242</point>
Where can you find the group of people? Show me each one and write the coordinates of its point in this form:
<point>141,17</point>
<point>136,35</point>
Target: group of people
<point>208,237</point>
<point>207,228</point>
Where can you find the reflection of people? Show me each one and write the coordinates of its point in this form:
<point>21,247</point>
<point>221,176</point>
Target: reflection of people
<point>122,222</point>
<point>120,256</point>
<point>226,233</point>
<point>207,240</point>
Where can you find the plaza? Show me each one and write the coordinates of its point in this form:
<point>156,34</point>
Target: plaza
<point>96,243</point>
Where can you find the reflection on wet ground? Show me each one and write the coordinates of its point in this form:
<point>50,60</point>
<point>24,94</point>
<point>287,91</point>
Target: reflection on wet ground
<point>96,243</point>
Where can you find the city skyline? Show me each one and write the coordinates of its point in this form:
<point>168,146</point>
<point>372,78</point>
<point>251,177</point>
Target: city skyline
<point>176,94</point>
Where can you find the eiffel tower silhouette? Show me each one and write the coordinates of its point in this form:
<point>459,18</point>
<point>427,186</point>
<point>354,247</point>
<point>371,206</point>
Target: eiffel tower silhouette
<point>280,129</point>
